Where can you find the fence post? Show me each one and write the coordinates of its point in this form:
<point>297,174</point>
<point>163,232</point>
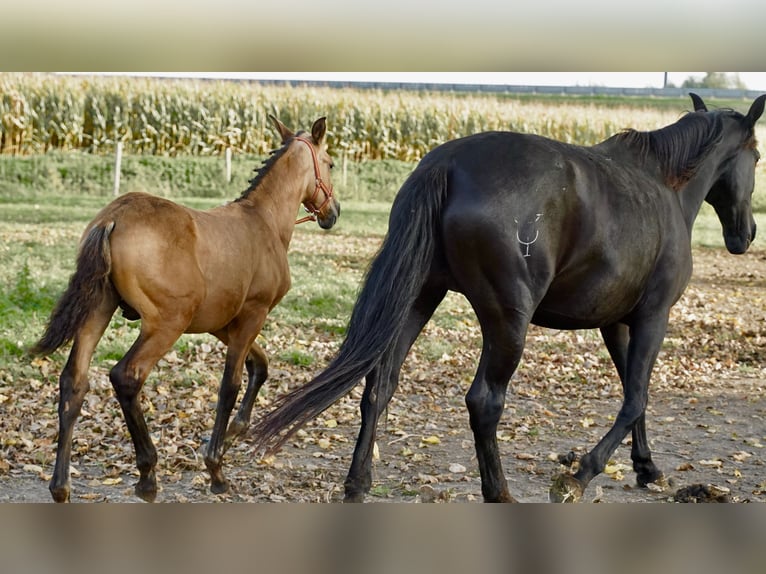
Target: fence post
<point>227,172</point>
<point>117,168</point>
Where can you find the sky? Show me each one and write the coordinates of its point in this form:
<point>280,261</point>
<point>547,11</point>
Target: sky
<point>752,80</point>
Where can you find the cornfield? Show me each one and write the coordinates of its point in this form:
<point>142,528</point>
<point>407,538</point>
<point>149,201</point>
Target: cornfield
<point>41,112</point>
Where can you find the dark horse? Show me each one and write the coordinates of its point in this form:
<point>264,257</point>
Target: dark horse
<point>180,270</point>
<point>532,230</point>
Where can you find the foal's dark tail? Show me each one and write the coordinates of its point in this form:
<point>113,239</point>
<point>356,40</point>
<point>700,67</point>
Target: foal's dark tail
<point>84,293</point>
<point>392,283</point>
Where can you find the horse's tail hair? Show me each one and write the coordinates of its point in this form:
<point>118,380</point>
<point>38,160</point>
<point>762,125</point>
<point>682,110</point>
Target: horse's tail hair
<point>392,283</point>
<point>85,291</point>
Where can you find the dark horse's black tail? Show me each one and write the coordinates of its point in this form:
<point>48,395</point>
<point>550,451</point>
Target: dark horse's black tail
<point>84,293</point>
<point>393,281</point>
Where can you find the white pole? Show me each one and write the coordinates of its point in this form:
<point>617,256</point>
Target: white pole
<point>227,173</point>
<point>117,168</point>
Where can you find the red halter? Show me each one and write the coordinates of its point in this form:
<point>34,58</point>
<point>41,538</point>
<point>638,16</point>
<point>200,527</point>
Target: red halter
<point>310,205</point>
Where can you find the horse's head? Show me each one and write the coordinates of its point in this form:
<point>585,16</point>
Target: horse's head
<point>731,193</point>
<point>318,198</point>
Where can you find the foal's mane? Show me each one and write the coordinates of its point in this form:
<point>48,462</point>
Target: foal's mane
<point>681,147</point>
<point>268,163</point>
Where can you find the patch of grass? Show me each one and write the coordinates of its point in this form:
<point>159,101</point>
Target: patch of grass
<point>381,491</point>
<point>296,357</point>
<point>433,349</point>
<point>20,305</point>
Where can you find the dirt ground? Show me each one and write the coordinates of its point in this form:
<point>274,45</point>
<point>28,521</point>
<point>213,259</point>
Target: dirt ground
<point>706,420</point>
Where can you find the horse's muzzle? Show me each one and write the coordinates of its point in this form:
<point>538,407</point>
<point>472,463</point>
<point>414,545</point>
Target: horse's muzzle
<point>327,220</point>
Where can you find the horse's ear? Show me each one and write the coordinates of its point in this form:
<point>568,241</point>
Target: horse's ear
<point>756,110</point>
<point>699,105</point>
<point>284,132</point>
<point>318,130</point>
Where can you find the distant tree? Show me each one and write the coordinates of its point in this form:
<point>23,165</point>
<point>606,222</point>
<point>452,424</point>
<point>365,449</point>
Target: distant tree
<point>719,80</point>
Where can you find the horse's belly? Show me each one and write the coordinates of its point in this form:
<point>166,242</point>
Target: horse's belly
<point>587,306</point>
<point>215,313</point>
<point>552,319</point>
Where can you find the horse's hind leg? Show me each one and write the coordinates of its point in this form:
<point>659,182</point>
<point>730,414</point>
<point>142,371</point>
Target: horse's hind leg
<point>616,337</point>
<point>257,366</point>
<point>504,335</point>
<point>73,386</point>
<point>127,378</point>
<point>379,388</point>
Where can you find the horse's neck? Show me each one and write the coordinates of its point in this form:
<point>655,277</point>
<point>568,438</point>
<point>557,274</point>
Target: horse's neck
<point>276,200</point>
<point>638,152</point>
<point>693,194</point>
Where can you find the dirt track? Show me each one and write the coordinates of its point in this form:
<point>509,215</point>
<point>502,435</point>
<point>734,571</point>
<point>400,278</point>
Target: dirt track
<point>706,420</point>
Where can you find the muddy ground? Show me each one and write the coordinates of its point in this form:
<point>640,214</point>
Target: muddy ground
<point>706,420</point>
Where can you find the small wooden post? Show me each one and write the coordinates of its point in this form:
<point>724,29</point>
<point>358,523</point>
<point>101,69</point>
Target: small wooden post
<point>117,168</point>
<point>227,172</point>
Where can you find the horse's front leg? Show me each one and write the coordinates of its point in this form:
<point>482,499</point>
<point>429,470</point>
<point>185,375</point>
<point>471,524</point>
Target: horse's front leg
<point>616,337</point>
<point>241,335</point>
<point>257,366</point>
<point>645,341</point>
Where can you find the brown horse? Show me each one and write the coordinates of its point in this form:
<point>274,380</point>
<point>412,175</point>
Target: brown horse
<point>185,271</point>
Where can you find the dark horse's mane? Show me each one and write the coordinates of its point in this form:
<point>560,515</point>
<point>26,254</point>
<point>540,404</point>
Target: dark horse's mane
<point>261,172</point>
<point>680,148</point>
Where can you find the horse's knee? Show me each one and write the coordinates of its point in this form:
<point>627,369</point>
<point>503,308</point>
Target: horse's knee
<point>485,410</point>
<point>227,395</point>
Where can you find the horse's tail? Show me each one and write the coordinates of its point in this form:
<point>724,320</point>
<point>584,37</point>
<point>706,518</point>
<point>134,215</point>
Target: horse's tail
<point>83,294</point>
<point>393,281</point>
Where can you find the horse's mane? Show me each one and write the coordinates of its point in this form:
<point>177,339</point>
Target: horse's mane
<point>680,148</point>
<point>268,163</point>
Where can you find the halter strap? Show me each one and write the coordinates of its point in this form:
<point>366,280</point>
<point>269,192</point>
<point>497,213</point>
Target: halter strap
<point>310,205</point>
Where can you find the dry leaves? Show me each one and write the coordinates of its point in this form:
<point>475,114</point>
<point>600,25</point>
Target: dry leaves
<point>706,418</point>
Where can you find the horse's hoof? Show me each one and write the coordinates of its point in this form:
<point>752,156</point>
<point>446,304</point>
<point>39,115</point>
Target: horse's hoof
<point>353,497</point>
<point>219,485</point>
<point>656,483</point>
<point>146,493</point>
<point>60,493</point>
<point>566,488</point>
<point>507,498</point>
<point>146,488</point>
<point>503,497</point>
